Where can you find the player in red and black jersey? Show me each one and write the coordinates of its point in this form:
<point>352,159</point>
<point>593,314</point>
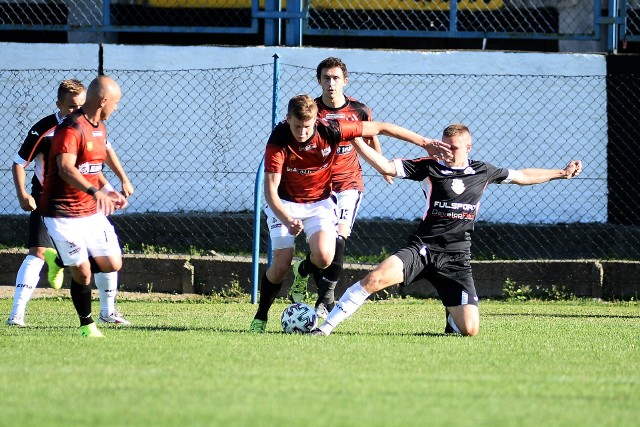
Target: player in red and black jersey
<point>439,250</point>
<point>346,175</point>
<point>297,188</point>
<point>35,149</point>
<point>76,199</point>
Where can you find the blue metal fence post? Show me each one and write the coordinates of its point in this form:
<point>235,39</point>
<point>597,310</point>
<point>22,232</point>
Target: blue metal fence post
<point>257,209</point>
<point>453,15</point>
<point>294,25</point>
<point>272,31</point>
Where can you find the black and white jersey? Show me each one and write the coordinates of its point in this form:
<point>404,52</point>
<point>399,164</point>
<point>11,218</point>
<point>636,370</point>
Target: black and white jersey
<point>35,148</point>
<point>453,199</point>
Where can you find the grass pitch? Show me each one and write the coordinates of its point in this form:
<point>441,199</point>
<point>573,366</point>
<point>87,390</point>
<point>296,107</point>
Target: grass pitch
<point>573,363</point>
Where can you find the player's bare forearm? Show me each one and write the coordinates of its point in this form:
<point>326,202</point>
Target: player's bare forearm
<point>375,159</point>
<point>26,201</point>
<point>532,176</point>
<point>434,147</point>
<point>271,183</point>
<point>114,164</point>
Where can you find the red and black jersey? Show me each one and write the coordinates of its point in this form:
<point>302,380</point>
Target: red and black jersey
<point>306,166</point>
<point>346,172</point>
<point>75,135</point>
<point>453,200</point>
<point>35,148</point>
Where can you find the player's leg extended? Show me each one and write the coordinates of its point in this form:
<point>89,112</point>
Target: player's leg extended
<point>389,272</point>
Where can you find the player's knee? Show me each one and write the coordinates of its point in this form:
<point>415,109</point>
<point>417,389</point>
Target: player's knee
<point>322,260</point>
<point>469,328</point>
<point>277,272</point>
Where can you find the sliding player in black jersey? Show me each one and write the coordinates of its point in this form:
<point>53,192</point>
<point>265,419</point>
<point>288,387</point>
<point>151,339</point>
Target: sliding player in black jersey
<point>439,250</point>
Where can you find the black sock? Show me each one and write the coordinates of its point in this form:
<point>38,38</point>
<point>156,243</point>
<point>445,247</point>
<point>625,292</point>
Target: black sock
<point>307,267</point>
<point>268,293</point>
<point>328,278</point>
<point>81,297</point>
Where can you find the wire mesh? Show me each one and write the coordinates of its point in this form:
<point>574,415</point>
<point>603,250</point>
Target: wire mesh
<point>191,142</point>
<point>487,16</point>
<point>492,18</point>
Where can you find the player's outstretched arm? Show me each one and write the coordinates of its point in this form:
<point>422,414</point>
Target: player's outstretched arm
<point>374,143</point>
<point>378,161</point>
<point>538,176</point>
<point>434,147</point>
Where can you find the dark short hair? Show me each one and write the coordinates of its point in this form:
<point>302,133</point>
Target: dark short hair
<point>331,62</point>
<point>302,107</point>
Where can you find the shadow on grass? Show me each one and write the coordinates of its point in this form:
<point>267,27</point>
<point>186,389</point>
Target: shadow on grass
<point>562,315</point>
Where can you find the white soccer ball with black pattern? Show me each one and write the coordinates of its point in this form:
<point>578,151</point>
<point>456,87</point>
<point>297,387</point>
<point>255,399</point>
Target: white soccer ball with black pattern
<point>298,318</point>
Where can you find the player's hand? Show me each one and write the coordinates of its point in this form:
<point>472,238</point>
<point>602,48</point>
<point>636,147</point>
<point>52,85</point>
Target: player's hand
<point>437,149</point>
<point>295,227</point>
<point>388,178</point>
<point>27,203</point>
<point>105,203</point>
<point>127,188</point>
<point>119,200</point>
<point>573,169</point>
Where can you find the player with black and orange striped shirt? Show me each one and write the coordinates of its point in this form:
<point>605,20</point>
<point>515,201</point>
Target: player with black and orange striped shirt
<point>34,150</point>
<point>297,187</point>
<point>76,200</point>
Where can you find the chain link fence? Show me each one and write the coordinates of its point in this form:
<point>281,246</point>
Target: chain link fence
<point>191,142</point>
<point>531,19</point>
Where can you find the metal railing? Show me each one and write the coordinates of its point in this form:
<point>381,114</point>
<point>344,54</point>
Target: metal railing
<point>484,19</point>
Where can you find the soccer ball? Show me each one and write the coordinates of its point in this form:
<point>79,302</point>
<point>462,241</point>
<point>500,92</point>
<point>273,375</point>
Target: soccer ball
<point>298,318</point>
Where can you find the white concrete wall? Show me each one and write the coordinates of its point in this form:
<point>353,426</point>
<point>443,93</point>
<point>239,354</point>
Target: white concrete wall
<point>525,117</point>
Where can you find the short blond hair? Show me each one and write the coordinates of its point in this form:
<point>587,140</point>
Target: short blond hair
<point>455,129</point>
<point>302,107</point>
<point>72,86</point>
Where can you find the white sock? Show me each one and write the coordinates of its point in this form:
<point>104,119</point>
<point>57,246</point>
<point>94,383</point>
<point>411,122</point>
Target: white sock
<point>26,282</point>
<point>107,284</point>
<point>453,324</point>
<point>349,302</point>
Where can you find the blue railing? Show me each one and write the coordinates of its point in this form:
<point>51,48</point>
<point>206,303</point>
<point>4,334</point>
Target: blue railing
<point>454,19</point>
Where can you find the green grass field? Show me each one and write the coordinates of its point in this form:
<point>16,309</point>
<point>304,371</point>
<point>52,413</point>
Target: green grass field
<point>573,363</point>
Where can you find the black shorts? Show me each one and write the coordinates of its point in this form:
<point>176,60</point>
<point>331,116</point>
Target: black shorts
<point>449,273</point>
<point>38,236</point>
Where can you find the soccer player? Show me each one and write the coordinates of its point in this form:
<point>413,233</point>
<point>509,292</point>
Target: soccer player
<point>75,201</point>
<point>297,188</point>
<point>439,249</point>
<point>346,178</point>
<point>35,148</point>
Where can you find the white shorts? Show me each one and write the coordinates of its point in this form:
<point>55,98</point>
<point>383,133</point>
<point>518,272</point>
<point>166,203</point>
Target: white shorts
<point>348,206</point>
<point>315,217</point>
<point>77,238</point>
